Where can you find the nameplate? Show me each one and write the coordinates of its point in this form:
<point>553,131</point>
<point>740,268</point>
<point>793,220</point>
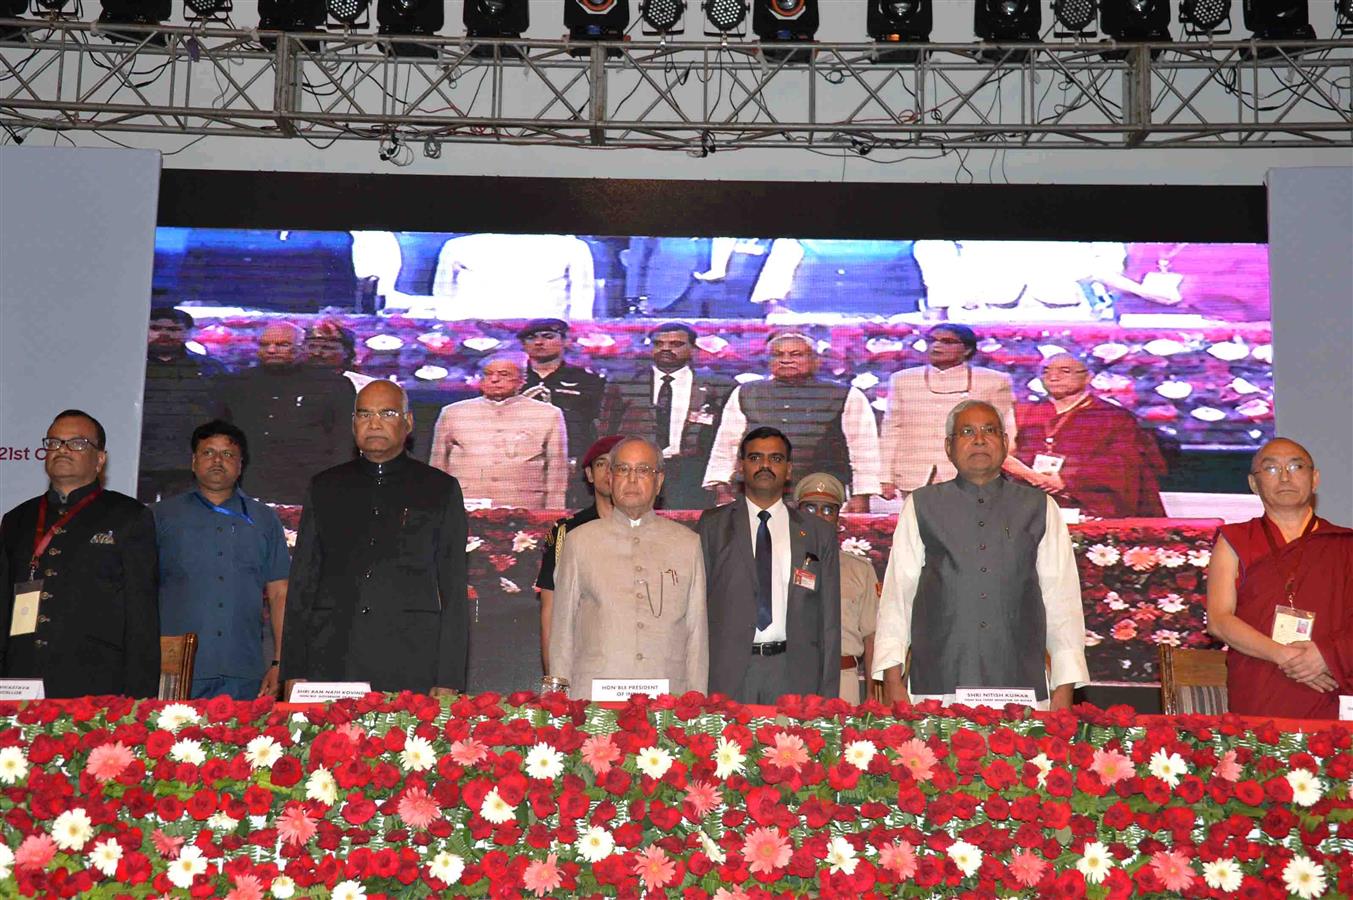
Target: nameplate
<point>1346,707</point>
<point>1070,515</point>
<point>994,696</point>
<point>477,503</point>
<point>22,689</point>
<point>325,691</point>
<point>612,689</point>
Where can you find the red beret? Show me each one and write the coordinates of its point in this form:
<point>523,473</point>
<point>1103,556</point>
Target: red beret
<point>601,448</point>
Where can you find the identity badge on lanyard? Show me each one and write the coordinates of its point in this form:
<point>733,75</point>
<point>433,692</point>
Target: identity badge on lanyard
<point>28,594</point>
<point>1048,462</point>
<point>1290,623</point>
<point>229,513</point>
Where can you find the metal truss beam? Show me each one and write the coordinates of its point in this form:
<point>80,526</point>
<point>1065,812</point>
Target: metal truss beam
<point>699,97</point>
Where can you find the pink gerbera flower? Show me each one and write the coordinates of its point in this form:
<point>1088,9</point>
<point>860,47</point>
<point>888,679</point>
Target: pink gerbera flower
<point>247,887</point>
<point>653,867</point>
<point>766,850</point>
<point>1111,766</point>
<point>295,826</point>
<point>789,752</point>
<point>1027,868</point>
<point>899,858</point>
<point>599,752</point>
<point>703,798</point>
<point>35,852</point>
<point>418,809</point>
<point>107,761</point>
<point>543,876</point>
<point>468,752</point>
<point>1173,869</point>
<point>734,894</point>
<point>920,759</point>
<point>165,845</point>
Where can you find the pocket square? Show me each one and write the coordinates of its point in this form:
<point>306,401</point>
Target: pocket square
<point>103,537</point>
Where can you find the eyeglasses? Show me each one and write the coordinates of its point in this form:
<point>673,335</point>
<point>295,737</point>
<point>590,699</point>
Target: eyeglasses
<point>642,471</point>
<point>210,453</point>
<point>1273,470</point>
<point>78,444</point>
<point>812,508</point>
<point>774,458</point>
<point>970,431</point>
<point>388,415</point>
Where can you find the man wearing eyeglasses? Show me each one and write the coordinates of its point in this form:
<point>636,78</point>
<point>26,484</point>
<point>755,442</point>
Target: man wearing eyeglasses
<point>1280,594</point>
<point>78,569</point>
<point>982,588</point>
<point>629,598</point>
<point>222,553</point>
<point>378,589</point>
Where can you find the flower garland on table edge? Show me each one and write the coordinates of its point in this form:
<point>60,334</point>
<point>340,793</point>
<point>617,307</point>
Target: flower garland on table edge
<point>399,795</point>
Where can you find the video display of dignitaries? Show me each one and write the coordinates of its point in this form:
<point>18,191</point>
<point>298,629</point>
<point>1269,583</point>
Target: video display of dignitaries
<point>1131,378</point>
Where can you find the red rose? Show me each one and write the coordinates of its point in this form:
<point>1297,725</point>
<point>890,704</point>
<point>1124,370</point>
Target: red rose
<point>202,804</point>
<point>358,810</point>
<point>843,776</point>
<point>169,808</point>
<point>1056,815</point>
<point>158,743</point>
<point>999,775</point>
<point>1059,783</point>
<point>1250,793</point>
<point>286,771</point>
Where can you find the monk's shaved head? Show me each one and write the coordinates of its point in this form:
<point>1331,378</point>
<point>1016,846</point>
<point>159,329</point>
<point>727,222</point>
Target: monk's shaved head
<point>382,394</point>
<point>1280,450</point>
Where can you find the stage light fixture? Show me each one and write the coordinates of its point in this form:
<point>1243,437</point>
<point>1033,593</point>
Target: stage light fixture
<point>291,15</point>
<point>1205,16</point>
<point>13,9</point>
<point>1074,18</point>
<point>134,12</point>
<point>410,17</point>
<point>785,20</point>
<point>1278,20</point>
<point>662,16</point>
<point>900,20</point>
<point>496,18</point>
<point>207,10</point>
<point>1135,20</point>
<point>350,13</point>
<point>1007,21</point>
<point>1343,16</point>
<point>725,16</point>
<point>59,8</point>
<point>596,20</point>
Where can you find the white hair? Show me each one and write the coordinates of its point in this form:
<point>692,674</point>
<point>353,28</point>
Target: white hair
<point>635,439</point>
<point>963,406</point>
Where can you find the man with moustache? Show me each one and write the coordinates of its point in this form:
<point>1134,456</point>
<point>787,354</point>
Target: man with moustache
<point>295,414</point>
<point>503,447</point>
<point>773,585</point>
<point>180,393</point>
<point>676,404</point>
<point>831,424</point>
<point>78,568</point>
<point>597,477</point>
<point>630,600</point>
<point>378,589</point>
<point>1084,451</point>
<point>1280,594</point>
<point>982,585</point>
<point>578,392</point>
<point>222,555</point>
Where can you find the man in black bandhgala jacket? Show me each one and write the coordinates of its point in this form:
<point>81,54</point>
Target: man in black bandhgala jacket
<point>378,582</point>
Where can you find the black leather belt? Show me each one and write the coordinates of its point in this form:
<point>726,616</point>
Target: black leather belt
<point>769,648</point>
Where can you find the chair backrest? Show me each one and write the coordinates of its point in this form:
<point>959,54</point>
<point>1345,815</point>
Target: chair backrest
<point>177,653</point>
<point>1192,681</point>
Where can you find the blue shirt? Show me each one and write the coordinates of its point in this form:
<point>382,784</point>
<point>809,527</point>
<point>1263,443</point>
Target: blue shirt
<point>214,566</point>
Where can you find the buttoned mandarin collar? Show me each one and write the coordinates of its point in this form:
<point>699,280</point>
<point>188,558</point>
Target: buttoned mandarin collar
<point>385,469</point>
<point>989,491</point>
<point>54,496</point>
<point>620,518</point>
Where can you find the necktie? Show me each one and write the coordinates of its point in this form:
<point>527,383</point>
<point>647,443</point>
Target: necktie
<point>763,570</point>
<point>664,412</point>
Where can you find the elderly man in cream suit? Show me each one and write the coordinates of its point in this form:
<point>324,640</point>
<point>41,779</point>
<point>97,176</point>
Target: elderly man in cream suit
<point>629,598</point>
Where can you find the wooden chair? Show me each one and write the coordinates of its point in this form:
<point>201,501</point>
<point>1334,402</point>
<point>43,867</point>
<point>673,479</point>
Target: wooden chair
<point>1192,681</point>
<point>177,654</point>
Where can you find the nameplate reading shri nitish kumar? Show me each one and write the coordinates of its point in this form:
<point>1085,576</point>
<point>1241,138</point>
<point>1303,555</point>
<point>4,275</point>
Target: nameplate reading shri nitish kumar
<point>995,697</point>
<point>22,689</point>
<point>620,689</point>
<point>326,691</point>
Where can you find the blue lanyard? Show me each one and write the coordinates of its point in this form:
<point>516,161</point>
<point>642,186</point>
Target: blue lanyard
<point>242,514</point>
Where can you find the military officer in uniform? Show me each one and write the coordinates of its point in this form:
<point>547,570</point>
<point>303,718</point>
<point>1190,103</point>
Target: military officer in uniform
<point>78,565</point>
<point>577,392</point>
<point>180,393</point>
<point>821,495</point>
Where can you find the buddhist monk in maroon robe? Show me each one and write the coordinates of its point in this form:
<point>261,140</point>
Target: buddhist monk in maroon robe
<point>1084,451</point>
<point>1289,574</point>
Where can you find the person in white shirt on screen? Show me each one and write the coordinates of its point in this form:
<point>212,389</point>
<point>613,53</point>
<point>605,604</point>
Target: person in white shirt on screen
<point>515,276</point>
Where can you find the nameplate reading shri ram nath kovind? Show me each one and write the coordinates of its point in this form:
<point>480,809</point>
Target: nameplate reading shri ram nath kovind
<point>326,691</point>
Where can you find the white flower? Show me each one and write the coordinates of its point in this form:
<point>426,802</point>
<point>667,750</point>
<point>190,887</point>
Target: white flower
<point>712,850</point>
<point>105,856</point>
<point>495,809</point>
<point>1223,875</point>
<point>446,867</point>
<point>418,755</point>
<point>1103,555</point>
<point>1200,558</point>
<point>544,762</point>
<point>72,829</point>
<point>188,866</point>
<point>1095,862</point>
<point>1306,789</point>
<point>1044,767</point>
<point>348,890</point>
<point>654,761</point>
<point>13,764</point>
<point>322,787</point>
<point>967,857</point>
<point>1166,636</point>
<point>188,751</point>
<point>1168,767</point>
<point>857,546</point>
<point>1171,603</point>
<point>262,752</point>
<point>473,544</point>
<point>859,753</point>
<point>6,861</point>
<point>1114,600</point>
<point>222,822</point>
<point>1093,638</point>
<point>841,856</point>
<point>729,758</point>
<point>1303,877</point>
<point>595,844</point>
<point>176,715</point>
<point>508,586</point>
<point>523,541</point>
<point>1171,559</point>
<point>283,887</point>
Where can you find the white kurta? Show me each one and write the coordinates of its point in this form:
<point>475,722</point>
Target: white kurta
<point>512,452</point>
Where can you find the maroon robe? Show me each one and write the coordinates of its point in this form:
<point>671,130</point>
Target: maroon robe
<point>1112,468</point>
<point>1317,570</point>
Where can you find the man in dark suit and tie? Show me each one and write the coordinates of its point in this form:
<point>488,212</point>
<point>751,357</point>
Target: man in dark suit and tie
<point>773,586</point>
<point>678,407</point>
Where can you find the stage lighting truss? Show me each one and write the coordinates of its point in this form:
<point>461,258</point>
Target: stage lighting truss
<point>207,10</point>
<point>663,17</point>
<point>725,17</point>
<point>1074,18</point>
<point>350,14</point>
<point>1205,17</point>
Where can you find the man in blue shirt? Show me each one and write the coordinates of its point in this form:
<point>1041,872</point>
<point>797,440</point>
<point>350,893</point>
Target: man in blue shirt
<point>221,554</point>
